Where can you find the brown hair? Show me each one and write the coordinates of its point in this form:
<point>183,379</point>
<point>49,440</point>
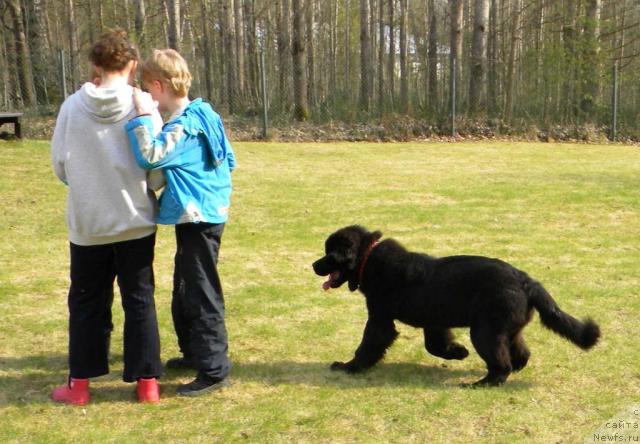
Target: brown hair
<point>168,67</point>
<point>113,51</point>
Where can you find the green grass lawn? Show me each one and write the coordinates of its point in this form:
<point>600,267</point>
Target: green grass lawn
<point>567,214</point>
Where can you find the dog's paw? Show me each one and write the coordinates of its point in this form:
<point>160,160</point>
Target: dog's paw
<point>338,366</point>
<point>457,352</point>
<point>347,367</point>
<point>484,382</point>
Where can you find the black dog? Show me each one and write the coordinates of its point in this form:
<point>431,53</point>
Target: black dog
<point>492,297</point>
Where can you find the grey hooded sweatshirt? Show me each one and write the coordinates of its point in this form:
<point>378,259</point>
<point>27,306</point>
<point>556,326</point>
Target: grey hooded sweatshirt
<point>110,198</point>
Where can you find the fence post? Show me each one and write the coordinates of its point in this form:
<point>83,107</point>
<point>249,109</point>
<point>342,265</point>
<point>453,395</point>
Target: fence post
<point>264,96</point>
<point>63,75</point>
<point>453,96</point>
<point>614,104</point>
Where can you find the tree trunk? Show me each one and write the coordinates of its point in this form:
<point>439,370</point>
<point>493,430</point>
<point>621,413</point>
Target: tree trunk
<point>456,42</point>
<point>311,66</point>
<point>301,111</point>
<point>391,65</point>
<point>173,30</point>
<point>127,15</point>
<point>4,66</point>
<point>404,71</point>
<point>73,44</point>
<point>381,46</point>
<point>333,51</point>
<point>100,17</point>
<point>372,50</point>
<point>492,86</point>
<point>206,49</point>
<point>221,72</point>
<point>477,87</point>
<point>140,22</point>
<point>347,48</point>
<point>252,49</point>
<point>25,76</point>
<point>511,65</point>
<point>569,36</point>
<point>230,56</point>
<point>284,52</point>
<point>433,57</point>
<point>590,62</point>
<point>38,49</point>
<point>92,34</point>
<point>365,56</point>
<point>239,28</point>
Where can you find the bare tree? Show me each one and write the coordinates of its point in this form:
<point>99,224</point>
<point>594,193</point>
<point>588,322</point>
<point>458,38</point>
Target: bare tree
<point>284,51</point>
<point>228,32</point>
<point>239,29</point>
<point>140,22</point>
<point>311,65</point>
<point>404,71</point>
<point>25,77</point>
<point>381,46</point>
<point>173,31</point>
<point>456,38</point>
<point>301,109</point>
<point>510,77</point>
<point>206,49</point>
<point>391,63</point>
<point>365,56</point>
<point>73,43</point>
<point>492,54</point>
<point>477,86</point>
<point>39,48</point>
<point>433,56</point>
<point>347,47</point>
<point>590,62</point>
<point>252,49</point>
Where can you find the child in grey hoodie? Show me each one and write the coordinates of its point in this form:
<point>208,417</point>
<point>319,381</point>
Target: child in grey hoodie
<point>111,212</point>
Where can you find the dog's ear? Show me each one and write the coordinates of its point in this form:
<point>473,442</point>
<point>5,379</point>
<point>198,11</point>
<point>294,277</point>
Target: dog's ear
<point>376,235</point>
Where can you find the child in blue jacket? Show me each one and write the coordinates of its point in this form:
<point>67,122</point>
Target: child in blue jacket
<point>197,160</point>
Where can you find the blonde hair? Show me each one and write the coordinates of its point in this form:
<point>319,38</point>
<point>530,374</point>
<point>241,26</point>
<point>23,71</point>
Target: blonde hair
<point>168,67</point>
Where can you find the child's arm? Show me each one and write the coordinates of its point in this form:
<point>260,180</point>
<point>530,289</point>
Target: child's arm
<point>152,149</point>
<point>154,152</point>
<point>155,178</point>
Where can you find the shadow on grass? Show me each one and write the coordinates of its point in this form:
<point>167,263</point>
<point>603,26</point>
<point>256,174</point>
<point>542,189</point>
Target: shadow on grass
<point>383,374</point>
<point>30,379</point>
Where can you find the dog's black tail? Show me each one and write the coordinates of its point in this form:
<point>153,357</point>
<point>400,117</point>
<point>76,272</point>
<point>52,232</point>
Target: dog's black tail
<point>584,334</point>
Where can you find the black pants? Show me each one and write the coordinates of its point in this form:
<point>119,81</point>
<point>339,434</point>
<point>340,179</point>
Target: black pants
<point>198,304</point>
<point>93,270</point>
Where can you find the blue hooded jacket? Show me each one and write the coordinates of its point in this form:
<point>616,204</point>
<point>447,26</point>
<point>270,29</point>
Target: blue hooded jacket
<point>196,158</point>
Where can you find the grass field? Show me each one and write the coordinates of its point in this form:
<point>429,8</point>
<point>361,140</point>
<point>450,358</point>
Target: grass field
<point>567,214</point>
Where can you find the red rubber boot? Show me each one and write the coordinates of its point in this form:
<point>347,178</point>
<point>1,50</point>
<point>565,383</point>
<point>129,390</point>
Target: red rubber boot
<point>75,392</point>
<point>148,390</point>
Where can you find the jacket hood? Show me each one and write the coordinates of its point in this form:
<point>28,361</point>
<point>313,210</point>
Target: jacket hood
<point>106,105</point>
<point>202,119</point>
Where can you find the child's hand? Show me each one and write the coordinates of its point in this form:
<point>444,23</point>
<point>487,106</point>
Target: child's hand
<point>143,102</point>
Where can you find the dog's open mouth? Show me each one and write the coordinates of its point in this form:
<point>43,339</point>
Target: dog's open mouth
<point>333,277</point>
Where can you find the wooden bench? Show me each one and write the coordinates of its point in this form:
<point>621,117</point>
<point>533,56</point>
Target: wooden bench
<point>12,118</point>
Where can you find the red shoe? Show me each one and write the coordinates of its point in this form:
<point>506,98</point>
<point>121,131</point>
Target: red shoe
<point>75,392</point>
<point>148,390</point>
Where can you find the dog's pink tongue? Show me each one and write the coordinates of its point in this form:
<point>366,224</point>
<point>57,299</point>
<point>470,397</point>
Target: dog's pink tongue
<point>327,285</point>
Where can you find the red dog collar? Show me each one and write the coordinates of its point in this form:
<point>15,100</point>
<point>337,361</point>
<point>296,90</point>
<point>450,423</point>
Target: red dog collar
<point>365,259</point>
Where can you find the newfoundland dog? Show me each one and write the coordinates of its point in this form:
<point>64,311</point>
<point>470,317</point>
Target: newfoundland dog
<point>493,298</point>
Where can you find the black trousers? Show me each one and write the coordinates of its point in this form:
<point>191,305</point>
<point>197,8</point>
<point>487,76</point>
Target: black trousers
<point>93,270</point>
<point>198,303</point>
